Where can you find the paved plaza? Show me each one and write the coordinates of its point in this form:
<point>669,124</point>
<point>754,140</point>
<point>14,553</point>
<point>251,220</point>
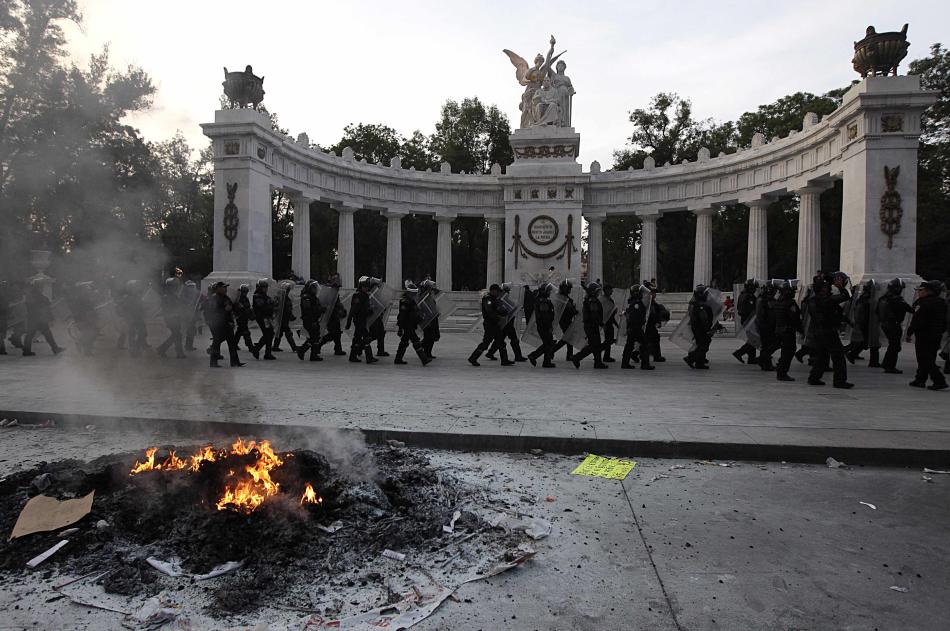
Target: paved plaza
<point>732,410</point>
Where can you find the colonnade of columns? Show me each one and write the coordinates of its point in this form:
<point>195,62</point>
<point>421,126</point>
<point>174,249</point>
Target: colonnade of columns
<point>757,261</point>
<point>809,243</point>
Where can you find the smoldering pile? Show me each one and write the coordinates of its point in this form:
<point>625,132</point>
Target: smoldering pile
<point>285,545</point>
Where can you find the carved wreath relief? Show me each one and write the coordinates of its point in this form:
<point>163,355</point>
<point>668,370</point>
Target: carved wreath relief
<point>543,230</point>
<point>231,220</point>
<point>891,211</point>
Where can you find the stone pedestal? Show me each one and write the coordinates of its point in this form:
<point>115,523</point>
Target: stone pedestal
<point>545,151</point>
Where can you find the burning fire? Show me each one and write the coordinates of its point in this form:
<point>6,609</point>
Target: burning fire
<point>247,493</point>
<point>310,496</point>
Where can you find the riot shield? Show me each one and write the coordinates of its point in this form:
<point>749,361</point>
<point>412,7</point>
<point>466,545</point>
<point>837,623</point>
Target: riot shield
<point>431,307</point>
<point>682,335</point>
<point>513,300</point>
<point>608,306</point>
<point>621,297</point>
<point>530,334</point>
<point>380,301</point>
<point>327,296</point>
<point>575,335</point>
<point>749,332</point>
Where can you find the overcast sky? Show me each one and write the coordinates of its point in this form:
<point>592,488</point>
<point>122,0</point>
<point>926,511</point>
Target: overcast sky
<point>327,64</point>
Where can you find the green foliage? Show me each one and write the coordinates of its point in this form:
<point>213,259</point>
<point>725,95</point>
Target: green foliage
<point>472,137</point>
<point>776,120</point>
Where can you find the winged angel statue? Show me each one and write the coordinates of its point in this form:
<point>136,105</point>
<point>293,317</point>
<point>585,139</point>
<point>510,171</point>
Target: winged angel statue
<point>547,93</point>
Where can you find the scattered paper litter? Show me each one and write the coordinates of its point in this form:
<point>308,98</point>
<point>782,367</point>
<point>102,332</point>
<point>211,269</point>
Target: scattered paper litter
<point>43,513</point>
<point>677,466</point>
<point>451,527</point>
<point>42,557</point>
<point>396,556</point>
<point>156,612</point>
<point>332,528</point>
<point>869,505</point>
<point>538,528</point>
<point>169,568</point>
<point>926,470</point>
<point>216,571</point>
<point>902,590</point>
<point>601,467</point>
<point>926,478</point>
<point>834,464</point>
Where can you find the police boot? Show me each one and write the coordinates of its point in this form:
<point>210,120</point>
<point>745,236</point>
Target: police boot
<point>369,355</point>
<point>473,358</point>
<point>503,353</point>
<point>425,359</point>
<point>645,363</point>
<point>315,353</point>
<point>400,353</point>
<point>490,355</point>
<point>752,356</point>
<point>302,350</point>
<point>533,357</point>
<point>625,361</point>
<point>381,350</point>
<point>875,361</point>
<point>598,361</point>
<point>738,355</point>
<point>783,376</point>
<point>354,355</point>
<point>214,362</point>
<point>607,357</point>
<point>547,363</point>
<point>516,347</point>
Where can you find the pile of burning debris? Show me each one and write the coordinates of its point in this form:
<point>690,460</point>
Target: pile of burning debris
<point>275,529</point>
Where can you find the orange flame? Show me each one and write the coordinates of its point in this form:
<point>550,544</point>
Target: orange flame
<point>310,496</point>
<point>247,493</point>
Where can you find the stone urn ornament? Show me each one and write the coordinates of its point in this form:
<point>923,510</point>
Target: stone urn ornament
<point>243,88</point>
<point>879,54</point>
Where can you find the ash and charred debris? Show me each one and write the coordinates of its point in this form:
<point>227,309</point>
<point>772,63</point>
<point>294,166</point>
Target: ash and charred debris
<point>173,514</point>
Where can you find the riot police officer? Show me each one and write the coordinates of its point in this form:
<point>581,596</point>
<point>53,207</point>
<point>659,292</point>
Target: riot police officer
<point>172,315</point>
<point>430,332</point>
<point>641,319</point>
<point>334,328</point>
<point>891,309</point>
<point>508,330</point>
<point>408,320</point>
<point>610,325</point>
<point>494,314</point>
<point>821,336</point>
<point>566,319</point>
<point>242,315</point>
<point>39,315</point>
<point>221,322</point>
<point>310,313</point>
<point>263,306</point>
<point>359,311</point>
<point>701,325</point>
<point>861,326</point>
<point>593,313</point>
<point>745,308</point>
<point>285,317</point>
<point>763,319</point>
<point>927,326</point>
<point>544,312</point>
<point>786,321</point>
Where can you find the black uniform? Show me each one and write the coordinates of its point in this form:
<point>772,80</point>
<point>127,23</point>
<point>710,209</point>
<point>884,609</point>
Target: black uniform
<point>653,337</point>
<point>786,321</point>
<point>221,322</point>
<point>39,315</point>
<point>745,308</point>
<point>825,317</point>
<point>4,314</point>
<point>286,317</point>
<point>242,316</point>
<point>334,330</point>
<point>891,309</point>
<point>543,310</point>
<point>927,326</point>
<point>610,330</point>
<point>310,313</point>
<point>862,324</point>
<point>763,319</point>
<point>408,320</point>
<point>362,342</point>
<point>494,313</point>
<point>377,333</point>
<point>263,306</point>
<point>700,324</point>
<point>593,312</point>
<point>641,319</point>
<point>567,318</point>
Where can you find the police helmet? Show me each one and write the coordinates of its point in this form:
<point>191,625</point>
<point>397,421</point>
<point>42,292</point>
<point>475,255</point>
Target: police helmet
<point>592,288</point>
<point>363,280</point>
<point>700,291</point>
<point>750,283</point>
<point>411,286</point>
<point>565,287</point>
<point>933,285</point>
<point>506,287</point>
<point>896,286</point>
<point>840,277</point>
<point>244,288</point>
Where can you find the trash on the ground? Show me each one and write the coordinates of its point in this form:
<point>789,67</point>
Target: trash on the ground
<point>12,422</point>
<point>43,513</point>
<point>155,612</point>
<point>538,528</point>
<point>102,524</point>
<point>902,590</point>
<point>834,464</point>
<point>332,528</point>
<point>218,570</point>
<point>659,476</point>
<point>537,452</point>
<point>926,470</point>
<point>396,556</point>
<point>42,482</point>
<point>677,466</point>
<point>550,498</point>
<point>601,467</point>
<point>68,532</point>
<point>534,527</point>
<point>90,427</point>
<point>42,557</point>
<point>395,444</point>
<point>169,568</point>
<point>926,478</point>
<point>869,505</point>
<point>451,527</point>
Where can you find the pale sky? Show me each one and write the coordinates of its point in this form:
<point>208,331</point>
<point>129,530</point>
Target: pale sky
<point>327,64</point>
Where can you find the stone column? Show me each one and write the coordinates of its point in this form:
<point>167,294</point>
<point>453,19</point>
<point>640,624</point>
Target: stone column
<point>648,247</point>
<point>300,248</point>
<point>809,232</point>
<point>595,247</point>
<point>443,253</point>
<point>702,257</point>
<point>757,258</point>
<point>496,251</point>
<point>345,257</point>
<point>393,249</point>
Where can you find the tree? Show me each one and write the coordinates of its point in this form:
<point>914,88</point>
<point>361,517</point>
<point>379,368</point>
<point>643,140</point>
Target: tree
<point>472,137</point>
<point>776,120</point>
